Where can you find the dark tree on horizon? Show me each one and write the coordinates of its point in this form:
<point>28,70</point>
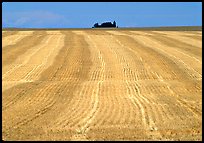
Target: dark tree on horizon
<point>96,25</point>
<point>105,24</point>
<point>114,23</point>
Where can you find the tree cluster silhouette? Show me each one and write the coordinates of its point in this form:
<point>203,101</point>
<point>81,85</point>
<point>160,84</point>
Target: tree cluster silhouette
<point>104,25</point>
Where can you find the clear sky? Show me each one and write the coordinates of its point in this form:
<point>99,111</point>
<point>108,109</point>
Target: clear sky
<point>85,14</point>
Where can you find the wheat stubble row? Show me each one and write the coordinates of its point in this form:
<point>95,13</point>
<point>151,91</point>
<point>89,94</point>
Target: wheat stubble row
<point>102,85</point>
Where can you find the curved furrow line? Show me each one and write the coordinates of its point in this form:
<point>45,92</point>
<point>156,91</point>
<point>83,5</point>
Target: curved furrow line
<point>41,95</point>
<point>118,106</point>
<point>78,120</point>
<point>115,109</point>
<point>138,62</point>
<point>164,113</point>
<point>147,118</point>
<point>80,109</point>
<point>20,73</point>
<point>145,103</point>
<point>54,108</point>
<point>29,99</point>
<point>180,101</point>
<point>104,107</point>
<point>91,116</point>
<point>151,120</point>
<point>113,106</point>
<point>13,53</point>
<point>94,96</point>
<point>181,41</point>
<point>165,58</point>
<point>137,103</point>
<point>189,40</point>
<point>24,111</point>
<point>62,110</point>
<point>196,112</point>
<point>161,115</point>
<point>150,105</point>
<point>97,74</point>
<point>104,111</point>
<point>156,90</point>
<point>37,57</point>
<point>11,70</point>
<point>135,63</point>
<point>27,57</point>
<point>150,92</point>
<point>137,89</point>
<point>149,98</point>
<point>9,84</point>
<point>77,114</point>
<point>7,69</point>
<point>95,108</point>
<point>15,38</point>
<point>64,75</point>
<point>177,60</point>
<point>128,75</point>
<point>119,109</point>
<point>64,58</point>
<point>176,48</point>
<point>132,114</point>
<point>20,49</point>
<point>40,103</point>
<point>30,119</point>
<point>16,94</point>
<point>34,74</point>
<point>170,93</point>
<point>125,112</point>
<point>122,107</point>
<point>129,108</point>
<point>77,106</point>
<point>74,68</point>
<point>39,113</point>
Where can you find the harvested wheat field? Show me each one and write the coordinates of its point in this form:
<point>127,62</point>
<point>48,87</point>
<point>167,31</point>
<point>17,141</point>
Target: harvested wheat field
<point>91,84</point>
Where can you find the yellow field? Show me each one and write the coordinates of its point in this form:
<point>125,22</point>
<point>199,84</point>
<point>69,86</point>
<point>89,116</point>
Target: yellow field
<point>101,85</point>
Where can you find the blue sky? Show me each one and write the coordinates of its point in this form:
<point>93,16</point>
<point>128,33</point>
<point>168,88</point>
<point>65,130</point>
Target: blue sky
<point>85,14</point>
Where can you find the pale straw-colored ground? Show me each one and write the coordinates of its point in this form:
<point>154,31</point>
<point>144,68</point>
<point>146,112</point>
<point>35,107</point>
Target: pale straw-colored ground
<point>101,85</point>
